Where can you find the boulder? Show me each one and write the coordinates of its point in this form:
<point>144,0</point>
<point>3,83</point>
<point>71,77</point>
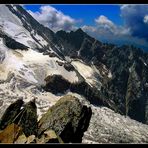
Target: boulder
<point>68,118</point>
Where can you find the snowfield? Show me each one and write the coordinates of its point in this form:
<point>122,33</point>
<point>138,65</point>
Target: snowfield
<point>22,73</point>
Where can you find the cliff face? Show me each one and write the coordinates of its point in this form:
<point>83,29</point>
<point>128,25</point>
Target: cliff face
<point>128,86</point>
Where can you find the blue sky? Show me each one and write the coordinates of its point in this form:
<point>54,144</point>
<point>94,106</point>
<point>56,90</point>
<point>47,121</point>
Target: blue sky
<point>121,24</point>
<point>86,12</point>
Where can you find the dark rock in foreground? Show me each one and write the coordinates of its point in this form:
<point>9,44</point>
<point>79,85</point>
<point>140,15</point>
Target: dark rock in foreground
<point>66,121</point>
<point>27,119</point>
<point>68,118</point>
<point>11,112</point>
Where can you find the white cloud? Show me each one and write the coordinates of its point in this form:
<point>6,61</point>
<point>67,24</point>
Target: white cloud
<point>145,20</point>
<point>103,20</point>
<point>54,19</point>
<point>105,27</point>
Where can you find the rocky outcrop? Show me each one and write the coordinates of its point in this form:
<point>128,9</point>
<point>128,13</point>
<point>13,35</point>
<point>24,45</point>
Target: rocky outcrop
<point>64,122</point>
<point>71,121</point>
<point>24,116</point>
<point>68,118</point>
<point>11,112</point>
<point>57,84</point>
<point>11,43</point>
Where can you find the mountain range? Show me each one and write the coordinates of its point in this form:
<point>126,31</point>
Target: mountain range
<point>37,63</point>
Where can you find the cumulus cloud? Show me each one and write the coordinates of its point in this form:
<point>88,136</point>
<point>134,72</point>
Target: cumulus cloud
<point>105,29</point>
<point>102,22</point>
<point>105,22</point>
<point>122,37</point>
<point>54,19</point>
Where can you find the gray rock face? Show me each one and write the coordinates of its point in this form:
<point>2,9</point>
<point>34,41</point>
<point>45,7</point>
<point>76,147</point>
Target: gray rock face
<point>127,87</point>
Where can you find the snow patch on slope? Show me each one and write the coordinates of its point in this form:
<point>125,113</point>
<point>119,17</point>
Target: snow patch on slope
<point>13,27</point>
<point>47,65</point>
<point>5,14</point>
<point>87,72</point>
<point>18,33</point>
